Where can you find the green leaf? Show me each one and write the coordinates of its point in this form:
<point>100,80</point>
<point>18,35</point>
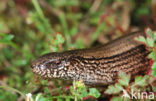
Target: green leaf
<point>59,99</point>
<point>9,37</point>
<point>83,93</point>
<point>154,73</point>
<point>143,10</point>
<point>149,32</point>
<point>73,30</point>
<point>154,66</point>
<point>39,97</point>
<point>60,38</point>
<point>150,42</point>
<point>44,82</point>
<point>154,36</point>
<point>114,89</point>
<point>94,92</point>
<point>124,79</point>
<point>153,88</point>
<point>152,55</point>
<point>140,81</point>
<point>19,62</point>
<point>140,39</point>
<point>79,84</point>
<point>67,99</point>
<point>6,38</point>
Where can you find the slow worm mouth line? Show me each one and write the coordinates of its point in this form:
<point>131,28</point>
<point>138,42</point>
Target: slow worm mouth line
<point>102,63</point>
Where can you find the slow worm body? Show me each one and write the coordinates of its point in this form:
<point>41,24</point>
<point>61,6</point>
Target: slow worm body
<point>96,66</point>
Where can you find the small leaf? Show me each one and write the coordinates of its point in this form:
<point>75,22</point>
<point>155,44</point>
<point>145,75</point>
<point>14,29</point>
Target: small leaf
<point>39,97</point>
<point>140,81</point>
<point>154,66</point>
<point>149,32</point>
<point>80,84</point>
<point>83,93</point>
<point>94,92</point>
<point>110,90</point>
<point>59,38</point>
<point>44,82</point>
<point>118,86</point>
<point>141,39</point>
<point>7,38</point>
<point>59,99</point>
<point>153,88</point>
<point>124,79</point>
<point>114,89</point>
<point>152,55</point>
<point>67,99</point>
<point>154,73</point>
<point>19,62</point>
<point>154,36</point>
<point>154,69</point>
<point>150,42</point>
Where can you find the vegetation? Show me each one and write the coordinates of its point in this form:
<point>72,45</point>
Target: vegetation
<point>31,28</point>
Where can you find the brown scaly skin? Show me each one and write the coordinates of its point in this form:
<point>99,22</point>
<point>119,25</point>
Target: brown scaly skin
<point>96,66</point>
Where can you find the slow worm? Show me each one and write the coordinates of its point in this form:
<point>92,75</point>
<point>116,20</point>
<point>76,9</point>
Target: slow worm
<point>96,66</point>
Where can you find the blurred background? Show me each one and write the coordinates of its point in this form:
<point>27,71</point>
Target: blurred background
<point>31,28</point>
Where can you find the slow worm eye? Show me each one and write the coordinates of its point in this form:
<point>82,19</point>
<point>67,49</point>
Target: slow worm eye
<point>55,64</point>
<point>58,62</point>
